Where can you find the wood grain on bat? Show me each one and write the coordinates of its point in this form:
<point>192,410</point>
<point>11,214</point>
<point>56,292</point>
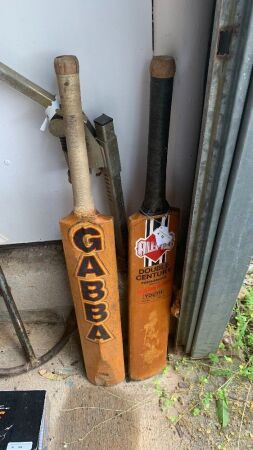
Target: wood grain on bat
<point>153,238</point>
<point>89,247</point>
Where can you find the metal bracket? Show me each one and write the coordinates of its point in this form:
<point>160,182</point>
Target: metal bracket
<point>32,361</point>
<point>106,137</point>
<point>95,156</point>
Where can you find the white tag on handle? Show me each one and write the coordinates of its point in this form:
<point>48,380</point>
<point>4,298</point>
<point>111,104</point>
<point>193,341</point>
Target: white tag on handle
<point>50,112</point>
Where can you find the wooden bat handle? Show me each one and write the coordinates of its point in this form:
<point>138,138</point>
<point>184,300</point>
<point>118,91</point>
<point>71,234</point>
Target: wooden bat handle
<point>67,71</point>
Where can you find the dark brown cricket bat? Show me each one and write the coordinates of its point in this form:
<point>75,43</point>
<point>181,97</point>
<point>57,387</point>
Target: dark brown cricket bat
<point>89,247</point>
<point>152,239</point>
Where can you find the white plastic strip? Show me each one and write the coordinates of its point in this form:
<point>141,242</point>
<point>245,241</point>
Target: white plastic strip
<point>50,112</point>
<point>3,239</point>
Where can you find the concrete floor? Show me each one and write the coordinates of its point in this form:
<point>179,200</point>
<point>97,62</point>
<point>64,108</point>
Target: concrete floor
<point>124,417</point>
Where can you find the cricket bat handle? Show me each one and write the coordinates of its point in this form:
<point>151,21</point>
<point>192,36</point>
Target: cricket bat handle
<point>67,71</point>
<point>162,71</point>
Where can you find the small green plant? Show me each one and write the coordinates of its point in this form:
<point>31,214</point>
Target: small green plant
<point>218,377</point>
<point>244,324</point>
<point>213,358</point>
<point>196,411</point>
<point>222,407</point>
<point>208,396</point>
<point>165,401</point>
<point>203,379</point>
<point>166,370</point>
<point>173,419</point>
<point>158,389</point>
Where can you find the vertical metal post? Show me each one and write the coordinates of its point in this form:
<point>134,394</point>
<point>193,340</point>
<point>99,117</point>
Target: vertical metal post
<point>16,320</point>
<point>227,85</point>
<point>233,246</point>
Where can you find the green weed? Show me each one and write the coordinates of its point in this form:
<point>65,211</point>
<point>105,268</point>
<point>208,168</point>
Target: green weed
<point>220,372</point>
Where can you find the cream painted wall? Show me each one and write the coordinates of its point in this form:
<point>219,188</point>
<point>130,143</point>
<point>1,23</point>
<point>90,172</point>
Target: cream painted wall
<point>113,41</point>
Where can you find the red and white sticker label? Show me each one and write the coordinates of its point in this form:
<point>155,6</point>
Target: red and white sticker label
<point>157,242</point>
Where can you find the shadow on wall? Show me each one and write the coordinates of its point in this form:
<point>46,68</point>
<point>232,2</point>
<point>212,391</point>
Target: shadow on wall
<point>139,160</point>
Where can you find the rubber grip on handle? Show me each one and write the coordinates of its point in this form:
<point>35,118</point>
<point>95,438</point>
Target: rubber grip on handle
<point>162,70</point>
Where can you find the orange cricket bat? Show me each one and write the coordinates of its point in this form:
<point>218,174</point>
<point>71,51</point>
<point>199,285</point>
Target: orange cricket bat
<point>89,247</point>
<point>152,239</point>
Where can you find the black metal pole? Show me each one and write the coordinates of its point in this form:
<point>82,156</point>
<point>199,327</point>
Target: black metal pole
<point>16,319</point>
